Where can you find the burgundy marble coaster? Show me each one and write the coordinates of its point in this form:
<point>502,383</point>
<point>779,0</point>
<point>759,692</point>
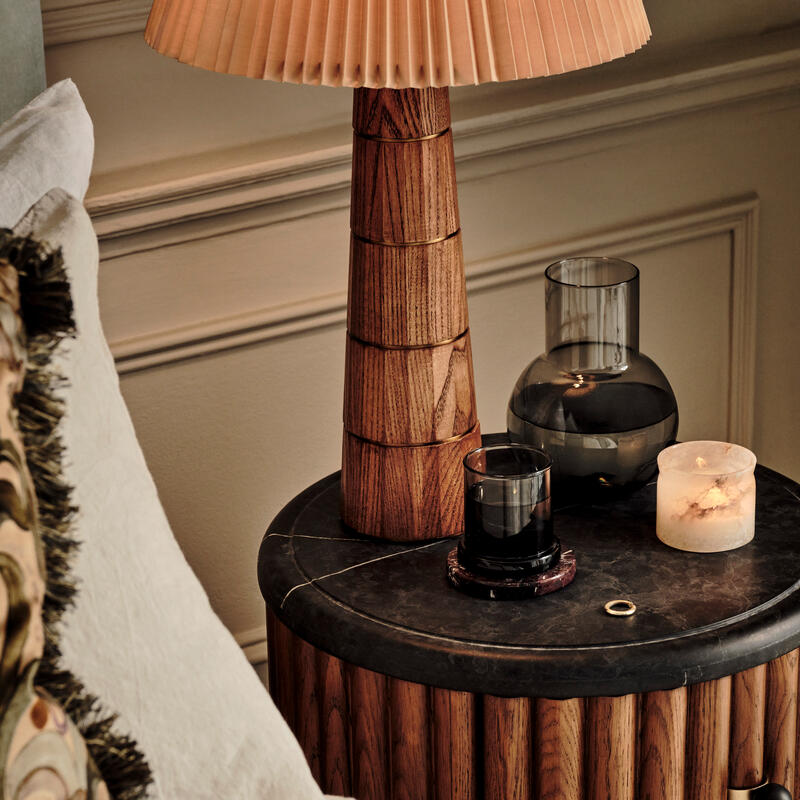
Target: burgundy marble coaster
<point>486,588</point>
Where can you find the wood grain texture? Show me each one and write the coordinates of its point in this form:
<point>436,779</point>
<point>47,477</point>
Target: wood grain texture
<point>380,737</point>
<point>663,745</point>
<point>404,191</point>
<point>410,741</point>
<point>307,705</point>
<point>780,739</point>
<point>409,396</point>
<point>748,707</point>
<point>796,792</point>
<point>455,752</point>
<point>281,646</point>
<point>403,195</point>
<point>405,493</point>
<point>610,747</point>
<point>407,295</point>
<point>400,114</point>
<point>558,749</point>
<point>508,748</point>
<point>708,740</point>
<point>334,725</point>
<point>369,724</point>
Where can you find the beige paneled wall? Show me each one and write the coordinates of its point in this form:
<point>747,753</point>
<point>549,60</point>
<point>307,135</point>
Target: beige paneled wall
<point>221,206</point>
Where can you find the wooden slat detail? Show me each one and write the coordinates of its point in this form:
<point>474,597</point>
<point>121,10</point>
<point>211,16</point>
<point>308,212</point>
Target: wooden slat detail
<point>272,669</point>
<point>610,747</point>
<point>401,113</point>
<point>663,745</point>
<point>334,725</point>
<point>404,192</point>
<point>708,740</point>
<point>796,787</point>
<point>507,748</point>
<point>369,722</point>
<point>405,493</point>
<point>307,706</point>
<point>749,703</point>
<point>454,745</point>
<point>281,657</point>
<point>558,749</point>
<point>410,741</point>
<point>781,719</point>
<point>432,306</point>
<point>409,396</point>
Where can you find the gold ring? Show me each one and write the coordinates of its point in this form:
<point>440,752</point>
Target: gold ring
<point>620,608</point>
<point>377,346</point>
<point>371,137</point>
<point>418,243</point>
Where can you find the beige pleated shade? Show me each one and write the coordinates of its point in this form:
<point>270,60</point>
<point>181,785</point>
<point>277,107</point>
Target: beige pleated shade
<point>396,43</point>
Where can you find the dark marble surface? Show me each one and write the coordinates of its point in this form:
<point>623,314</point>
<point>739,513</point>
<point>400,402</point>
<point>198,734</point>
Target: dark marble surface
<point>389,607</point>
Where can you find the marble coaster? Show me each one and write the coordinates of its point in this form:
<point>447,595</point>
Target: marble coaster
<point>486,588</point>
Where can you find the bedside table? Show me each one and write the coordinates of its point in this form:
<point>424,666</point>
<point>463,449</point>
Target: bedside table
<point>398,686</point>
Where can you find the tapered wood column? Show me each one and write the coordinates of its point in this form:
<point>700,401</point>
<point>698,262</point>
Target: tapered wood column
<point>409,407</point>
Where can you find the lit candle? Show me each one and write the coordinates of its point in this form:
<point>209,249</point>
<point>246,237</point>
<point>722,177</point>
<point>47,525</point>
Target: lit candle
<point>706,496</point>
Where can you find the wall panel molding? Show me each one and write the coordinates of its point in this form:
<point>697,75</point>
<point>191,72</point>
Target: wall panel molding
<point>76,22</point>
<point>273,191</point>
<point>736,217</point>
<point>254,644</point>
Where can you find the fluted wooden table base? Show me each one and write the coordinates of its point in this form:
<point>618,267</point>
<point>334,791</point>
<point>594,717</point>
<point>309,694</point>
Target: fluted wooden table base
<point>380,738</point>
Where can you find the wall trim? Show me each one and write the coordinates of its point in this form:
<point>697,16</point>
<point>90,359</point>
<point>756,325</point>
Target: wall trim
<point>93,20</point>
<point>277,190</point>
<point>254,644</point>
<point>737,217</point>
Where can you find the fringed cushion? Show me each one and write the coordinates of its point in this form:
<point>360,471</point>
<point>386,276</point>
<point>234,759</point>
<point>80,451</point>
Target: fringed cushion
<point>46,716</point>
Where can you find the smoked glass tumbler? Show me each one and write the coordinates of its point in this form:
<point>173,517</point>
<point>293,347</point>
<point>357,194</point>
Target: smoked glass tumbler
<point>507,516</point>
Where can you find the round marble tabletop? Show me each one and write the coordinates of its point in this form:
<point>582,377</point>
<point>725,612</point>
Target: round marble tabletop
<point>389,607</point>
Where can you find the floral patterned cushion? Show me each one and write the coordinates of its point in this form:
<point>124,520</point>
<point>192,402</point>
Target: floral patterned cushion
<point>43,754</point>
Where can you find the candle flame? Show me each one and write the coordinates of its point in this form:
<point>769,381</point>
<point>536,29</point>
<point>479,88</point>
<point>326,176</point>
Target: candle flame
<point>715,497</point>
<point>701,462</point>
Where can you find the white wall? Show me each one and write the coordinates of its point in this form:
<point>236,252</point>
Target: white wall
<point>221,205</point>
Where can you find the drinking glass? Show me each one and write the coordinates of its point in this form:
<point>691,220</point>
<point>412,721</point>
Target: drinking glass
<point>508,521</point>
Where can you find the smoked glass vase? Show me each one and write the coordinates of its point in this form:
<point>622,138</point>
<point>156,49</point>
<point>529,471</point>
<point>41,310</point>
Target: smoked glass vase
<point>600,408</point>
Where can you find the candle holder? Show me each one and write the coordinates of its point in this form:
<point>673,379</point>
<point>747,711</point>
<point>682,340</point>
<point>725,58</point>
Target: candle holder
<point>509,549</point>
<point>706,496</point>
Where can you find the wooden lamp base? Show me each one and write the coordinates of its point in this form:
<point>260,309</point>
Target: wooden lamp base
<point>409,406</point>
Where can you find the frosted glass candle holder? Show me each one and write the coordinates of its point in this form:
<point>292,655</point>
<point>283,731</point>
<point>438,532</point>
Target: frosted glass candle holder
<point>706,496</point>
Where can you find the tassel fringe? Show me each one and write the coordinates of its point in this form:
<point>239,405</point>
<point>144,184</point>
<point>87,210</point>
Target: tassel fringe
<point>47,313</point>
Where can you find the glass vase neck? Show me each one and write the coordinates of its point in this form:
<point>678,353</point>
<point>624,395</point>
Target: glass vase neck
<point>592,313</point>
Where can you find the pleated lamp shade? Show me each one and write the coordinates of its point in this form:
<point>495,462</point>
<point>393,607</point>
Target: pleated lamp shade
<point>396,43</point>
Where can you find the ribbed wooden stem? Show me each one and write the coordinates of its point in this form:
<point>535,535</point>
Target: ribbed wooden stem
<point>708,740</point>
<point>748,709</point>
<point>559,749</point>
<point>781,720</point>
<point>611,747</point>
<point>409,407</point>
<point>663,745</point>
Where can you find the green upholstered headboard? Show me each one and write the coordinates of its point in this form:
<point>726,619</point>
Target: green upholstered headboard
<point>21,54</point>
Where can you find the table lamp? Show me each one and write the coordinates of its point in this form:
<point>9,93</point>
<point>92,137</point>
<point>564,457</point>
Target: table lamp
<point>409,404</point>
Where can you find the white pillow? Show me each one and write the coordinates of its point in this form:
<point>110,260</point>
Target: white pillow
<point>143,635</point>
<point>49,144</point>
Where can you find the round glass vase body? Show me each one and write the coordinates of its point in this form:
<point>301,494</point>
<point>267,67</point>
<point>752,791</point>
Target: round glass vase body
<point>599,407</point>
